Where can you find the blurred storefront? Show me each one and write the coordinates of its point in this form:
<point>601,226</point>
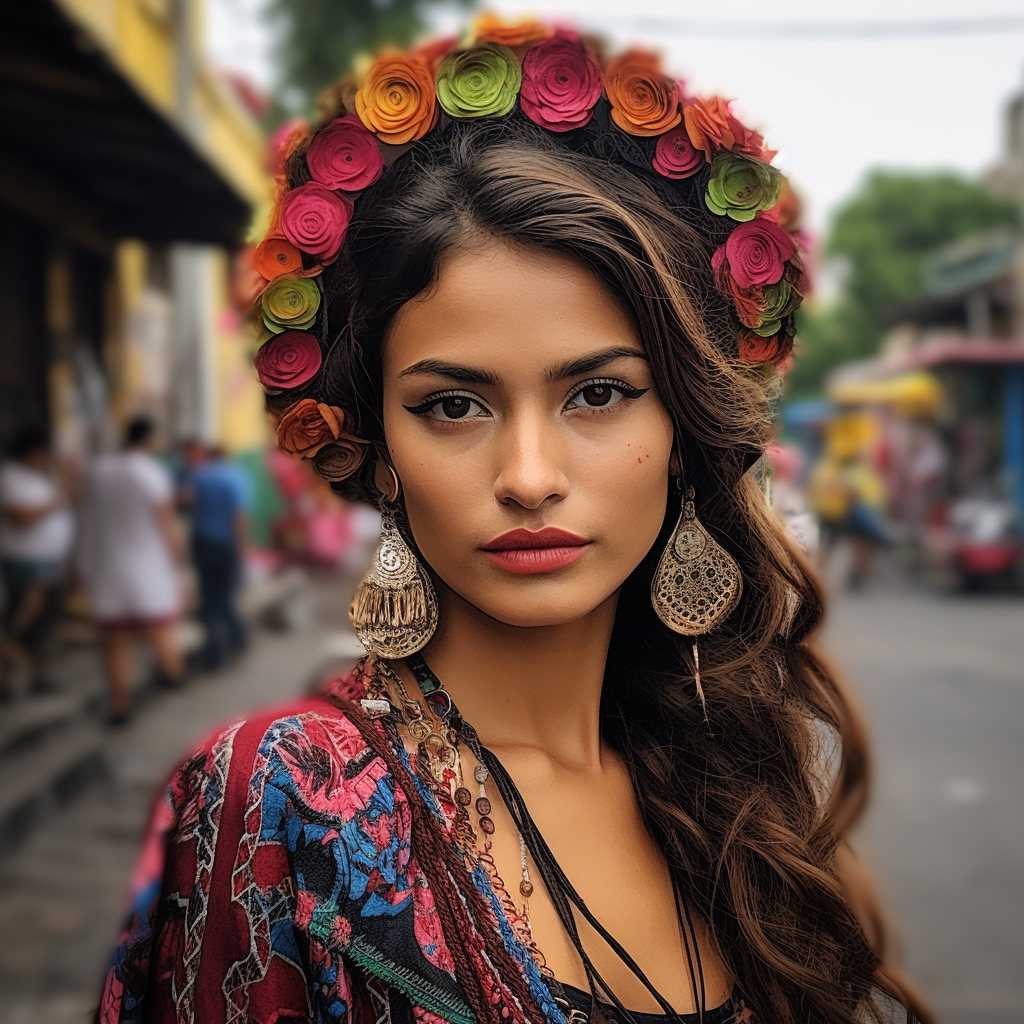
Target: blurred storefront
<point>946,401</point>
<point>128,177</point>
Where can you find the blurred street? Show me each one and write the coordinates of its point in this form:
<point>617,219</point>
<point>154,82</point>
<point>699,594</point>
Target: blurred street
<point>62,889</point>
<point>940,681</point>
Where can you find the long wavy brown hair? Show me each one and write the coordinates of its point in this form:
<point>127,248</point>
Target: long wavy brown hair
<point>752,803</point>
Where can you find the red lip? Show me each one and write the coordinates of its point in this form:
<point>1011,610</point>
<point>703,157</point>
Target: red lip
<point>549,537</point>
<point>525,553</point>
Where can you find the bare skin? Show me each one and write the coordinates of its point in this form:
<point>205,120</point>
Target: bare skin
<point>517,395</point>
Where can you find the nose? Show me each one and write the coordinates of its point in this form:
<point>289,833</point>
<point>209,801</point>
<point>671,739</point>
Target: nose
<point>531,468</point>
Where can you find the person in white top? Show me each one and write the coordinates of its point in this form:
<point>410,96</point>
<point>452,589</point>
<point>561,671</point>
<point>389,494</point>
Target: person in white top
<point>128,553</point>
<point>35,540</point>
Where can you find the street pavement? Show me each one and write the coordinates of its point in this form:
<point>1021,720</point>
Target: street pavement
<point>62,890</point>
<point>940,680</point>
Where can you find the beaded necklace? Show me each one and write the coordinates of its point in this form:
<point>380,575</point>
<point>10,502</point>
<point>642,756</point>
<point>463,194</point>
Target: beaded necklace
<point>439,756</point>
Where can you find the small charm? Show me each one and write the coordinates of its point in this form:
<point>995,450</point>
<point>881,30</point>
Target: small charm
<point>526,888</point>
<point>481,774</point>
<point>483,806</point>
<point>439,704</point>
<point>419,730</point>
<point>487,826</point>
<point>463,797</point>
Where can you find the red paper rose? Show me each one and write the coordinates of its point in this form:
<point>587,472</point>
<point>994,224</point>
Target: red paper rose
<point>345,155</point>
<point>561,85</point>
<point>314,220</point>
<point>674,155</point>
<point>288,360</point>
<point>757,252</point>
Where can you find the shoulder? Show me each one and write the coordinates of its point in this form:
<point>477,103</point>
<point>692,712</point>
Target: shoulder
<point>153,472</point>
<point>305,738</point>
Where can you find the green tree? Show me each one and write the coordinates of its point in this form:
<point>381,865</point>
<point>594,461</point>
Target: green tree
<point>881,237</point>
<point>318,40</point>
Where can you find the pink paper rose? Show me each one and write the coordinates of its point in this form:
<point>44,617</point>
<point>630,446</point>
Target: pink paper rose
<point>314,220</point>
<point>675,155</point>
<point>345,155</point>
<point>757,252</point>
<point>288,360</point>
<point>561,85</point>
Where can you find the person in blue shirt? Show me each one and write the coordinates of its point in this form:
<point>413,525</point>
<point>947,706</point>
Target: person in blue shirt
<point>219,494</point>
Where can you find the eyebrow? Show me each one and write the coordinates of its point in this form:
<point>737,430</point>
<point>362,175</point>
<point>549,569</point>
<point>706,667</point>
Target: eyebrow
<point>460,374</point>
<point>571,368</point>
<point>594,361</point>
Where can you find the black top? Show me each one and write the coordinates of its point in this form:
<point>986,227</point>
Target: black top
<point>581,1002</point>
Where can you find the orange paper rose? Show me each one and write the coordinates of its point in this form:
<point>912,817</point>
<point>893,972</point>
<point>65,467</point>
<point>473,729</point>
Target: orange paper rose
<point>644,101</point>
<point>396,101</point>
<point>712,127</point>
<point>489,28</point>
<point>307,426</point>
<point>275,256</point>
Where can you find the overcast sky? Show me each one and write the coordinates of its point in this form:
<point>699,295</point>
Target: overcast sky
<point>833,108</point>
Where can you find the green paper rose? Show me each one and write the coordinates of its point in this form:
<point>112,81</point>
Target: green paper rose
<point>482,82</point>
<point>290,303</point>
<point>740,187</point>
<point>779,301</point>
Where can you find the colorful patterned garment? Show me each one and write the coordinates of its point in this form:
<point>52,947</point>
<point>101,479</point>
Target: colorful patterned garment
<point>278,882</point>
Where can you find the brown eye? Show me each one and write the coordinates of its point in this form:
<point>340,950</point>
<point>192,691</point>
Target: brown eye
<point>450,408</point>
<point>598,394</point>
<point>454,407</point>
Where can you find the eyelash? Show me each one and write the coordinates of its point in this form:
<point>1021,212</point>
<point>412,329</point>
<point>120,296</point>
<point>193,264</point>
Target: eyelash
<point>627,391</point>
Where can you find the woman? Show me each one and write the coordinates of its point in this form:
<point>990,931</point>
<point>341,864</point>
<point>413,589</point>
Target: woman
<point>583,772</point>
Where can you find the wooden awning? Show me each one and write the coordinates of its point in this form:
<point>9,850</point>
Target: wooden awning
<point>85,151</point>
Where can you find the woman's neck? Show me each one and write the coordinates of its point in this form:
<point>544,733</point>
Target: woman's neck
<point>536,686</point>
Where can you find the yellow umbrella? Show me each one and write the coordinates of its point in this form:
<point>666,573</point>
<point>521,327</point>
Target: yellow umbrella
<point>918,393</point>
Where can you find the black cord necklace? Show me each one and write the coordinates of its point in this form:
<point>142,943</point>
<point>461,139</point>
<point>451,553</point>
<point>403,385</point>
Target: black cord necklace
<point>562,892</point>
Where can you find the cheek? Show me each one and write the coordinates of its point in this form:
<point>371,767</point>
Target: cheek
<point>628,485</point>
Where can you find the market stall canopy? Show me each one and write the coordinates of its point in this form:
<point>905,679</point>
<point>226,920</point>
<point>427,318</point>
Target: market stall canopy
<point>84,150</point>
<point>918,393</point>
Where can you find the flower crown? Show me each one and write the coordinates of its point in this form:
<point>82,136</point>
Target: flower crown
<point>560,83</point>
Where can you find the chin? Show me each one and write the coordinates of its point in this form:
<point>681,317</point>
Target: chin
<point>535,607</point>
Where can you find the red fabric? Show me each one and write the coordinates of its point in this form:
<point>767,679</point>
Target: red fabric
<point>227,930</point>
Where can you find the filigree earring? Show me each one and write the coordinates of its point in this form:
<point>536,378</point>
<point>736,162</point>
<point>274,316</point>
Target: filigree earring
<point>697,582</point>
<point>394,610</point>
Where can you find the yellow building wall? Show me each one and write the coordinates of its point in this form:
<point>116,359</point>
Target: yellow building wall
<point>241,414</point>
<point>138,37</point>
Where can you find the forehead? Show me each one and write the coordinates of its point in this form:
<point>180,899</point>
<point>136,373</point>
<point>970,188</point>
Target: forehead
<point>512,308</point>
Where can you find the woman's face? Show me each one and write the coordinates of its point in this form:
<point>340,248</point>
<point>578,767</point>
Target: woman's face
<point>532,447</point>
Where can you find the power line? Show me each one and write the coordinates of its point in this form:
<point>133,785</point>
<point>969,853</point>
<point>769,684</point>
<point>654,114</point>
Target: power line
<point>819,30</point>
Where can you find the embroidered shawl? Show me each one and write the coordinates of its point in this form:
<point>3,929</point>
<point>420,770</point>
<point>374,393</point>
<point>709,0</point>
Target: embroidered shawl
<point>278,881</point>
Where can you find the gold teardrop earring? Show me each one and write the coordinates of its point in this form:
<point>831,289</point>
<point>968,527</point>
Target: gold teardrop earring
<point>394,609</point>
<point>697,582</point>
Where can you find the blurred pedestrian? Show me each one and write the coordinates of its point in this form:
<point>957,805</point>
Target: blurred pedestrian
<point>129,547</point>
<point>849,497</point>
<point>35,540</point>
<point>865,523</point>
<point>219,494</point>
